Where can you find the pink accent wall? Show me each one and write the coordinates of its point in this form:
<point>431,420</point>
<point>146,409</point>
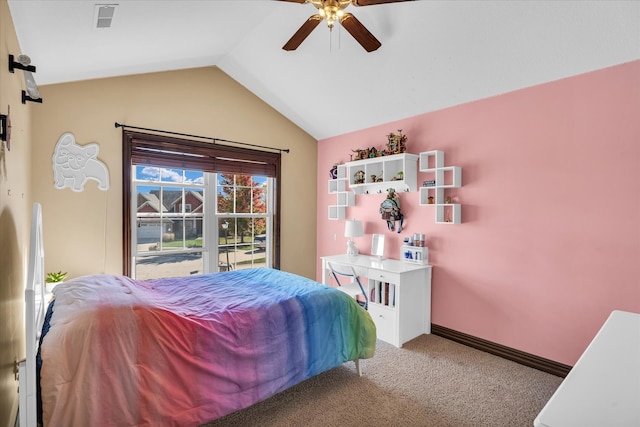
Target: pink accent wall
<point>549,242</point>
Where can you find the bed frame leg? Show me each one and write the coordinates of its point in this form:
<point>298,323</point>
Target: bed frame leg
<point>358,369</point>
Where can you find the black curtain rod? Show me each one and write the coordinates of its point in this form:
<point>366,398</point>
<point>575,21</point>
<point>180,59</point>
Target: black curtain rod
<point>214,140</point>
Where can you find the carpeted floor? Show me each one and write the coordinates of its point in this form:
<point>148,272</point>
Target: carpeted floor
<point>431,381</point>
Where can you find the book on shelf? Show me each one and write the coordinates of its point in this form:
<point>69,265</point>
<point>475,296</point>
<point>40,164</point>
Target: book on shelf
<point>386,293</point>
<point>383,293</point>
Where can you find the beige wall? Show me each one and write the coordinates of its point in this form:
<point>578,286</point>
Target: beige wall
<point>82,230</point>
<point>15,210</point>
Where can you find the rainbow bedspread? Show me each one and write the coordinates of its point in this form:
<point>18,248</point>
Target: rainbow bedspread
<point>183,351</point>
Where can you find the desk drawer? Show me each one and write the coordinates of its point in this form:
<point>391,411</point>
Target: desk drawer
<point>385,320</point>
<point>384,276</point>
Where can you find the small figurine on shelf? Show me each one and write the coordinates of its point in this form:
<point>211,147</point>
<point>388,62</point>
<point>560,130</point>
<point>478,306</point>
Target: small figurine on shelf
<point>399,177</point>
<point>359,177</point>
<point>447,200</point>
<point>430,200</point>
<point>397,143</point>
<point>361,154</point>
<point>333,173</point>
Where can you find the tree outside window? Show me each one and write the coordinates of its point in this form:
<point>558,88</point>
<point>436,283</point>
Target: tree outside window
<point>243,194</point>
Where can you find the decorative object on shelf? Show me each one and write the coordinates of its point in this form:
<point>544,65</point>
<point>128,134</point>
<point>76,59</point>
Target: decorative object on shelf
<point>23,62</point>
<point>74,165</point>
<point>430,183</point>
<point>430,200</point>
<point>447,200</point>
<point>359,177</point>
<point>353,229</point>
<point>5,128</point>
<point>390,210</point>
<point>418,239</point>
<point>54,279</point>
<point>367,153</point>
<point>333,173</point>
<point>397,143</point>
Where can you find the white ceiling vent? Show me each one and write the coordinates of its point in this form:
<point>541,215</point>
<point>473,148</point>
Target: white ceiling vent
<point>103,15</point>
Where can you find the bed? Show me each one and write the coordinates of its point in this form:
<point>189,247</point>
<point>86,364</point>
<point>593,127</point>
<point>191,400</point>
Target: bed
<point>181,351</point>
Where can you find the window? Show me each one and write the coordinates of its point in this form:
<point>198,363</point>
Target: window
<point>181,220</point>
<point>244,215</point>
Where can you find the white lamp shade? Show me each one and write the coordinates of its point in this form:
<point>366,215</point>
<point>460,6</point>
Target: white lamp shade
<point>353,228</point>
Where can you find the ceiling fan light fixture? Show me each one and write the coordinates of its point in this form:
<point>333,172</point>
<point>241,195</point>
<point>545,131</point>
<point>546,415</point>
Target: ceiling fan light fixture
<point>332,11</point>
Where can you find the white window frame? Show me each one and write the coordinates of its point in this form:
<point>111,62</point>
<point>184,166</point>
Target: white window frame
<point>210,218</point>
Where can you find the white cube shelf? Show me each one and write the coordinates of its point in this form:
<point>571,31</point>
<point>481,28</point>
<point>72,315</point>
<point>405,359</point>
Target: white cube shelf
<point>344,197</point>
<point>441,177</point>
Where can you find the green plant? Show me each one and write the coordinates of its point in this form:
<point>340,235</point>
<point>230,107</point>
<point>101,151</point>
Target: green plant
<point>56,277</point>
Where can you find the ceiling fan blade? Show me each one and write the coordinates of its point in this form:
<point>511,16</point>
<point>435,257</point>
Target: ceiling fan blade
<point>303,32</point>
<point>359,32</point>
<point>373,2</point>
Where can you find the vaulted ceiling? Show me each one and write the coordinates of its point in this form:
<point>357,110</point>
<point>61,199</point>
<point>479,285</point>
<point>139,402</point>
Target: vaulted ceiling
<point>434,54</point>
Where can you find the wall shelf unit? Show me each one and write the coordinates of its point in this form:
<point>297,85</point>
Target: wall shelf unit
<point>398,171</point>
<point>440,178</point>
<point>344,197</point>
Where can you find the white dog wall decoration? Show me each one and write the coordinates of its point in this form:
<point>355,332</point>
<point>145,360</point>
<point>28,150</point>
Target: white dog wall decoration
<point>74,164</point>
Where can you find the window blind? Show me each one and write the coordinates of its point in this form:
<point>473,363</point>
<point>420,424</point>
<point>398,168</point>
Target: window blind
<point>164,151</point>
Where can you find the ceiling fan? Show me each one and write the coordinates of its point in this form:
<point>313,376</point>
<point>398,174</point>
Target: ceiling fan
<point>332,11</point>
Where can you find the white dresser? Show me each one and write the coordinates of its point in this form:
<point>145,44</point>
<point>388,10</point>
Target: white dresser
<point>603,388</point>
<point>399,294</point>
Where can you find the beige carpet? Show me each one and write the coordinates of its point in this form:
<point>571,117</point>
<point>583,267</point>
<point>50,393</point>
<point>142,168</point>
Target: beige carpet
<point>431,381</point>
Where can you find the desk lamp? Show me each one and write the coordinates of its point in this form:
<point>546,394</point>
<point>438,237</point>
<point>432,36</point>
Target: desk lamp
<point>352,229</point>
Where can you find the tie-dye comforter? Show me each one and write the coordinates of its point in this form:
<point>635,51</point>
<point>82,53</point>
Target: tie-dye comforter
<point>183,351</point>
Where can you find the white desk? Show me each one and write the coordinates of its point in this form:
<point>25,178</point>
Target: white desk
<point>399,292</point>
<point>603,388</point>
